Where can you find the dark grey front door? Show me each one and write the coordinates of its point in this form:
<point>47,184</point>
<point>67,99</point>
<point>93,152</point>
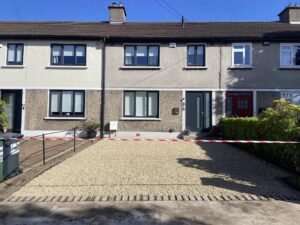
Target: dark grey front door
<point>198,111</point>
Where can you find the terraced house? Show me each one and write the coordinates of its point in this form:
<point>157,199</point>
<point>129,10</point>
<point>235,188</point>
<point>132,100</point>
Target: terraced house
<point>147,76</point>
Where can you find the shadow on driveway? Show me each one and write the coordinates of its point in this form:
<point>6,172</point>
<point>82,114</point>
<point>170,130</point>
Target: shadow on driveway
<point>233,169</point>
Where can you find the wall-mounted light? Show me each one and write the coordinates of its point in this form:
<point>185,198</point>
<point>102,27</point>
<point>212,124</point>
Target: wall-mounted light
<point>266,43</point>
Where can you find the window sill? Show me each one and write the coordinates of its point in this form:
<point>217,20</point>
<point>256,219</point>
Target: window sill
<point>140,68</point>
<point>140,119</point>
<point>241,68</point>
<point>67,67</point>
<point>195,68</point>
<point>13,66</point>
<point>289,68</point>
<point>64,118</point>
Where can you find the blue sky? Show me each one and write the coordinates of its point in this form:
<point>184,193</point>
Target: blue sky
<point>143,10</point>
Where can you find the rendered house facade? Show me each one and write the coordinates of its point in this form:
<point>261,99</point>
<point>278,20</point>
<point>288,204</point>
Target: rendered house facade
<point>147,76</point>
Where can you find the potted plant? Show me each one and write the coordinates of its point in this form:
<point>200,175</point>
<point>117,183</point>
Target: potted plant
<point>3,117</point>
<point>90,127</point>
<point>186,132</point>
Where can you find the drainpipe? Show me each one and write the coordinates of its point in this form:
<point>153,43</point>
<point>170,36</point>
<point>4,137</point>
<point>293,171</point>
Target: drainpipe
<point>220,66</point>
<point>102,104</point>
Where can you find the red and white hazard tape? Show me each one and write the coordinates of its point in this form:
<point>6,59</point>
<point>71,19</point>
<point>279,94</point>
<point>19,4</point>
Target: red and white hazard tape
<point>158,139</point>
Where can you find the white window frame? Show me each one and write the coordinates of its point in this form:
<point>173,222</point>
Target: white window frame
<point>244,55</point>
<point>291,46</point>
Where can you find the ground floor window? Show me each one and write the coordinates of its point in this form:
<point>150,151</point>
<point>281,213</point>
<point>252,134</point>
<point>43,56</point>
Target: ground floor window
<point>141,104</point>
<point>66,103</point>
<point>291,96</point>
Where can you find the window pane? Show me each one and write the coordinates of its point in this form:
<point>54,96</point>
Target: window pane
<point>69,58</point>
<point>67,102</point>
<point>129,55</point>
<point>238,58</point>
<point>153,104</point>
<point>207,116</point>
<point>293,97</point>
<point>297,55</point>
<point>56,54</point>
<point>238,47</point>
<point>11,53</point>
<point>141,56</point>
<point>200,56</point>
<point>247,54</point>
<point>286,59</point>
<point>80,55</point>
<point>141,104</point>
<point>191,55</point>
<point>19,53</point>
<point>79,102</point>
<point>229,106</point>
<point>129,104</point>
<point>55,99</point>
<point>153,56</point>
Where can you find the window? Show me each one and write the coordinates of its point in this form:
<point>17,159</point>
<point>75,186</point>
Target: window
<point>66,103</point>
<point>69,55</point>
<point>241,55</point>
<point>196,55</point>
<point>242,104</point>
<point>15,54</point>
<point>141,55</point>
<point>289,55</point>
<point>293,97</point>
<point>141,104</point>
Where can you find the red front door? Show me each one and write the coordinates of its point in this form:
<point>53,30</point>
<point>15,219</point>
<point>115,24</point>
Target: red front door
<point>239,104</point>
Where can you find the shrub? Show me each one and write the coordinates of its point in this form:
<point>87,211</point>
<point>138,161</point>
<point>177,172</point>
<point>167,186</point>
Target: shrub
<point>3,116</point>
<point>89,126</point>
<point>281,122</point>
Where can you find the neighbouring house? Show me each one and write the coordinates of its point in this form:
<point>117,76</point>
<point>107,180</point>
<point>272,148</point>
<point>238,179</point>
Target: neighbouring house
<point>148,76</point>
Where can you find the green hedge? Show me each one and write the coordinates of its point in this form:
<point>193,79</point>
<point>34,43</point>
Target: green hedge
<point>279,123</point>
<point>3,115</point>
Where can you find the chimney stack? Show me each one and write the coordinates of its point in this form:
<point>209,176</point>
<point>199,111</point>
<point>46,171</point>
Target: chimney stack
<point>291,14</point>
<point>117,13</point>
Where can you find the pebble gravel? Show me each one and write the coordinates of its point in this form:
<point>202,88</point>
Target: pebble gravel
<point>158,168</point>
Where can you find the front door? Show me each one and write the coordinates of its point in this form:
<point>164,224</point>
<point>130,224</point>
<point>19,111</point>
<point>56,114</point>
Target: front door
<point>198,111</point>
<point>239,104</point>
<point>13,100</point>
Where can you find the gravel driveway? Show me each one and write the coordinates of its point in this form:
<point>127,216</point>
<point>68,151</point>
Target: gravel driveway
<point>158,168</point>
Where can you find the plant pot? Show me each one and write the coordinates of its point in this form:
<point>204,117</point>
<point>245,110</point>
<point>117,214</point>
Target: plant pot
<point>91,134</point>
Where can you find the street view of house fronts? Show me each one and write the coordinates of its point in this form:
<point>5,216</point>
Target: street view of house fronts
<point>148,76</point>
<point>121,122</point>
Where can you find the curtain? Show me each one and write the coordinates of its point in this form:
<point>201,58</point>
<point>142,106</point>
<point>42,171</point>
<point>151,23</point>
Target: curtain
<point>152,104</point>
<point>129,104</point>
<point>140,104</point>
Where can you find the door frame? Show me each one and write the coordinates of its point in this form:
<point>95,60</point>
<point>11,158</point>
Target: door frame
<point>210,107</point>
<point>20,107</point>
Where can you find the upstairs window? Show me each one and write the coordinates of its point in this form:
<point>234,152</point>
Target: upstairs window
<point>15,54</point>
<point>196,55</point>
<point>141,55</point>
<point>69,55</point>
<point>66,103</point>
<point>241,55</point>
<point>289,55</point>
